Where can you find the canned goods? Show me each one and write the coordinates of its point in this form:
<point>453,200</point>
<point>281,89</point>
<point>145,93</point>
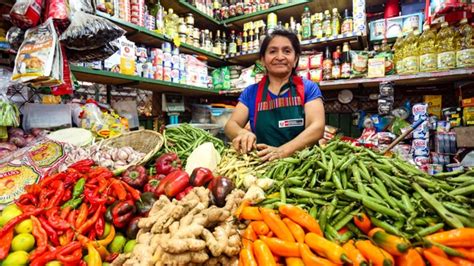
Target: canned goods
<point>175,75</point>
<point>166,73</point>
<point>166,47</point>
<point>158,72</point>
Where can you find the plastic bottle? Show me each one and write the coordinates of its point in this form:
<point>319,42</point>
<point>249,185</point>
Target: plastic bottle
<point>160,23</point>
<point>427,50</point>
<point>327,29</point>
<point>446,48</point>
<point>411,60</point>
<point>335,22</point>
<point>398,54</point>
<point>347,25</point>
<point>465,55</point>
<point>318,26</point>
<point>306,23</point>
<point>272,20</point>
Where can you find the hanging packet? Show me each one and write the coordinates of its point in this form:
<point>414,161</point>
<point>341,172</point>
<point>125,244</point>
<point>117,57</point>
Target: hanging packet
<point>26,13</point>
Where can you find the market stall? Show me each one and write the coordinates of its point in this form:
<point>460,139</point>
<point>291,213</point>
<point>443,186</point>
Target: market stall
<point>112,149</point>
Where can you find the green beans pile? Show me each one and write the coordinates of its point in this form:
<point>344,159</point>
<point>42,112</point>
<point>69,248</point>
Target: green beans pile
<point>183,139</point>
<point>339,181</point>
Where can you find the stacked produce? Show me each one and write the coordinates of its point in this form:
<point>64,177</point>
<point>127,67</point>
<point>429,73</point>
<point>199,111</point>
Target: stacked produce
<point>191,230</point>
<point>16,138</point>
<point>68,212</point>
<point>295,237</point>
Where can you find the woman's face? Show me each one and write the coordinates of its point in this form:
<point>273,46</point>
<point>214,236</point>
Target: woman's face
<point>280,57</point>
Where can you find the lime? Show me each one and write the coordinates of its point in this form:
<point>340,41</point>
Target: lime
<point>86,258</point>
<point>129,246</point>
<point>2,221</point>
<point>117,244</point>
<point>106,231</point>
<point>10,212</point>
<point>23,241</point>
<point>54,263</point>
<point>105,264</point>
<point>17,258</point>
<point>25,226</point>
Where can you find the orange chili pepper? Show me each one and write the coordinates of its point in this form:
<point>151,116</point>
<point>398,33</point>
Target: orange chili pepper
<point>436,260</point>
<point>328,249</point>
<point>295,229</point>
<point>309,258</point>
<point>247,258</point>
<point>354,254</point>
<point>453,236</point>
<point>468,254</point>
<point>462,262</point>
<point>260,227</point>
<point>392,244</point>
<point>292,261</point>
<point>248,237</point>
<point>301,217</point>
<point>281,247</point>
<point>251,213</point>
<point>437,251</point>
<point>243,204</point>
<point>277,226</point>
<point>362,221</point>
<point>374,254</point>
<point>411,258</point>
<point>263,254</point>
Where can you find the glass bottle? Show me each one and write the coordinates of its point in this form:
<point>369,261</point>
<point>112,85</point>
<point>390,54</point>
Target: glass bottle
<point>245,43</point>
<point>160,22</point>
<point>272,20</point>
<point>336,22</point>
<point>346,61</point>
<point>299,32</point>
<point>318,26</point>
<point>232,43</point>
<point>256,41</point>
<point>239,42</point>
<point>216,5</point>
<point>224,44</point>
<point>217,43</point>
<point>306,23</point>
<point>327,29</point>
<point>336,67</point>
<point>348,23</point>
<point>251,40</point>
<point>292,24</point>
<point>327,65</point>
<point>208,41</point>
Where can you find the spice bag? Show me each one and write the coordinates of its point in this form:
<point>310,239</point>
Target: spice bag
<point>26,13</point>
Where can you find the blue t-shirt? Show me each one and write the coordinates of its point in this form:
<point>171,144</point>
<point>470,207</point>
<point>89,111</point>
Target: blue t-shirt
<point>249,96</point>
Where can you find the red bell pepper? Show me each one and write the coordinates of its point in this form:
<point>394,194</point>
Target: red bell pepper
<point>183,193</point>
<point>152,186</point>
<point>178,184</point>
<point>160,190</point>
<point>167,163</point>
<point>5,243</point>
<point>200,177</point>
<point>135,176</point>
<point>122,213</point>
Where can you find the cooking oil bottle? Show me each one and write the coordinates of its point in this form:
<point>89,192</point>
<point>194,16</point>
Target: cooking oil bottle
<point>427,50</point>
<point>411,60</point>
<point>446,48</point>
<point>465,55</point>
<point>398,53</point>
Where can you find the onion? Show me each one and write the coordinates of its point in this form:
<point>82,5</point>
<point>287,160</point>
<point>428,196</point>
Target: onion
<point>4,153</point>
<point>29,138</point>
<point>7,146</point>
<point>20,142</point>
<point>36,132</point>
<point>16,132</point>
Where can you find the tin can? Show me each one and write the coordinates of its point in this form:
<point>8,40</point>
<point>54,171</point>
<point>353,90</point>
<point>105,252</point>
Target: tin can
<point>166,47</point>
<point>158,74</point>
<point>175,61</point>
<point>167,60</point>
<point>420,147</point>
<point>420,111</point>
<point>166,73</point>
<point>175,75</point>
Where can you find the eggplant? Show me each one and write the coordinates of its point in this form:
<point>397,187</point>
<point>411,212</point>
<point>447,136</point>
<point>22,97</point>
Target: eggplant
<point>220,187</point>
<point>132,228</point>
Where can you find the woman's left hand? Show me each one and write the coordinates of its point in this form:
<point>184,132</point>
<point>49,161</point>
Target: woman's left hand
<point>270,153</point>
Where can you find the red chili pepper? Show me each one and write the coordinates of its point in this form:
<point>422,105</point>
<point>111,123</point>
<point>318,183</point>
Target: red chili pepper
<point>5,243</point>
<point>27,199</point>
<point>48,179</point>
<point>59,193</point>
<point>111,257</point>
<point>135,194</point>
<point>183,193</point>
<point>74,257</point>
<point>11,224</point>
<point>118,189</point>
<point>83,166</point>
<point>86,226</point>
<point>52,234</point>
<point>33,189</point>
<point>92,234</point>
<point>82,216</point>
<point>67,195</point>
<point>200,177</point>
<point>178,184</point>
<point>65,212</point>
<point>55,220</point>
<point>41,238</point>
<point>167,163</point>
<point>71,218</point>
<point>71,178</point>
<point>44,196</point>
<point>44,258</point>
<point>99,226</point>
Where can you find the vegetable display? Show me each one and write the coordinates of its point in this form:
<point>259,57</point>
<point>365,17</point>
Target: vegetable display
<point>184,138</point>
<point>191,230</point>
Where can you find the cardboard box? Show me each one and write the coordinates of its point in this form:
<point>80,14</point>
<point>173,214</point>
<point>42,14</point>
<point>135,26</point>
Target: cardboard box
<point>469,102</point>
<point>390,28</point>
<point>434,104</point>
<point>464,137</point>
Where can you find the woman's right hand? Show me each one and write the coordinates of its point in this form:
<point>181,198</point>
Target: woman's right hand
<point>245,141</point>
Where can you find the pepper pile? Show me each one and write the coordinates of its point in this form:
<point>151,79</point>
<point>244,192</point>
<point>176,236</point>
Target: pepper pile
<point>68,212</point>
<point>295,237</point>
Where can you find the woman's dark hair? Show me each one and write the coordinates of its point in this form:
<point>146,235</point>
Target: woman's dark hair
<point>290,35</point>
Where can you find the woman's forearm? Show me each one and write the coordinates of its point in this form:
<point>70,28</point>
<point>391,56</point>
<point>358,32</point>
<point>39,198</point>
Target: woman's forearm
<point>232,129</point>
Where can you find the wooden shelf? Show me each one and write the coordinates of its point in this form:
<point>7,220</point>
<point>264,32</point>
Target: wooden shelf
<point>182,7</point>
<point>423,79</point>
<point>117,79</point>
<point>355,39</point>
<point>290,8</point>
<point>147,37</point>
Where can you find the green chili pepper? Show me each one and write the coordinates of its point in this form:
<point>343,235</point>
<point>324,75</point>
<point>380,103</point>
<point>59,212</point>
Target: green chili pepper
<point>78,188</point>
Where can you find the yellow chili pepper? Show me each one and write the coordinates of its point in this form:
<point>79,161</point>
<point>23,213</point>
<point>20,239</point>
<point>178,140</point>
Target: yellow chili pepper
<point>94,256</point>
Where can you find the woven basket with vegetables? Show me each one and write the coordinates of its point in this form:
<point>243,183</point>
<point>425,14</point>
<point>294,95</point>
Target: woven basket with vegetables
<point>146,142</point>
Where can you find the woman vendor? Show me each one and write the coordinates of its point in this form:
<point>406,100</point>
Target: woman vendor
<point>286,112</point>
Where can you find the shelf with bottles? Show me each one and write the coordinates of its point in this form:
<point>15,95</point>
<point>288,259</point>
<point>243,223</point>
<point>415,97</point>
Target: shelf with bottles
<point>355,39</point>
<point>201,18</point>
<point>142,35</point>
<point>117,79</point>
<point>422,78</point>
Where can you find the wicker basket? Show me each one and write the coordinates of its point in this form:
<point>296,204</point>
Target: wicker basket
<point>145,141</point>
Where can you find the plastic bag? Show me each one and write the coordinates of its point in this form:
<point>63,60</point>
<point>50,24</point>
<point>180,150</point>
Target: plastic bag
<point>66,87</point>
<point>89,32</point>
<point>98,54</point>
<point>35,57</point>
<point>81,5</point>
<point>59,12</point>
<point>9,114</point>
<point>15,37</point>
<point>26,13</point>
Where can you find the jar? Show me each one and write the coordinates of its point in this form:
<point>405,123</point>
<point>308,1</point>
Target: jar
<point>196,33</point>
<point>190,19</point>
<point>182,29</point>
